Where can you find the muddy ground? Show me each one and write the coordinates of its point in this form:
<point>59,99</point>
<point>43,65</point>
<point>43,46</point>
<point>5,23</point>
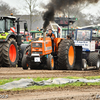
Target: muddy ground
<point>6,73</point>
<point>66,93</point>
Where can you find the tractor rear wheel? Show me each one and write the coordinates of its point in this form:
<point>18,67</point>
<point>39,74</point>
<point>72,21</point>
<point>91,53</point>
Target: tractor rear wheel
<point>66,54</point>
<point>98,64</point>
<point>10,53</point>
<point>1,59</point>
<point>50,62</point>
<point>92,59</point>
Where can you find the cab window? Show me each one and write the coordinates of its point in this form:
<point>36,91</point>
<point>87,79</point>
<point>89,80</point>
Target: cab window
<point>9,24</point>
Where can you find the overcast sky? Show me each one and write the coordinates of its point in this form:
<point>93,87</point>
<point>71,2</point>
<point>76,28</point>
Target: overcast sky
<point>19,4</point>
<point>92,9</point>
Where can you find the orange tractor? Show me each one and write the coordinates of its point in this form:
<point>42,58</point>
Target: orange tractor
<point>40,53</point>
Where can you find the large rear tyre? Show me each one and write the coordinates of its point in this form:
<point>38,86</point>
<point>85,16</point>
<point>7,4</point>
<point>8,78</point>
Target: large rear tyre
<point>1,58</point>
<point>50,62</point>
<point>92,59</point>
<point>98,64</point>
<point>66,54</point>
<point>10,53</point>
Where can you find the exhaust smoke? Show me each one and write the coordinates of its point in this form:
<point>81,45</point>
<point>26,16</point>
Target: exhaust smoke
<point>59,5</point>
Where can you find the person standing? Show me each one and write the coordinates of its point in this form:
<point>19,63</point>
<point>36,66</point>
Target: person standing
<point>68,37</point>
<point>96,44</point>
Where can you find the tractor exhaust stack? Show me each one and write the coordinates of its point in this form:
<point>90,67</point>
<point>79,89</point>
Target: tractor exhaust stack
<point>44,36</point>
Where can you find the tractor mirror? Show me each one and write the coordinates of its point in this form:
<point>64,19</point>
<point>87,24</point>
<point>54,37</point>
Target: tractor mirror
<point>25,27</point>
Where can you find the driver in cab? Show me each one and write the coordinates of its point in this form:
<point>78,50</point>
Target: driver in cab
<point>83,36</point>
<point>52,36</point>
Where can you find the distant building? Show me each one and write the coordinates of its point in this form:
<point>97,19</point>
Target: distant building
<point>36,21</point>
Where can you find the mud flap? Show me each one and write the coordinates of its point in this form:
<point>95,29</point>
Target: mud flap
<point>78,59</point>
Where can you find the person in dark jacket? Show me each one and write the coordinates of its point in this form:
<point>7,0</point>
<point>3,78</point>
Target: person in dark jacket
<point>96,44</point>
<point>99,45</point>
<point>68,37</point>
<point>52,36</point>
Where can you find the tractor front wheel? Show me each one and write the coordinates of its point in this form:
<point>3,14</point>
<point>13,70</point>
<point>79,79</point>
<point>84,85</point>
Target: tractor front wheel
<point>50,62</point>
<point>93,58</point>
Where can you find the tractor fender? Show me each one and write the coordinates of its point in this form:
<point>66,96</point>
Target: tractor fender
<point>22,49</point>
<point>8,36</point>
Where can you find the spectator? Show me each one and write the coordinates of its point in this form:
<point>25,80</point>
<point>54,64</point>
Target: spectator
<point>96,44</point>
<point>99,45</point>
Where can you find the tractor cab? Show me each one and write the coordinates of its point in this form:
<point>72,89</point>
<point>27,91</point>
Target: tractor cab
<point>83,35</point>
<point>36,34</point>
<point>84,38</point>
<point>95,31</point>
<point>7,24</point>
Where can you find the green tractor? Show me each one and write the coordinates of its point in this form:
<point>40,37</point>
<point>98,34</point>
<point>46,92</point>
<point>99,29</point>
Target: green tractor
<point>36,34</point>
<point>11,45</point>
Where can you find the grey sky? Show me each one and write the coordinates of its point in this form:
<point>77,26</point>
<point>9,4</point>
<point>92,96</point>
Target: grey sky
<point>92,9</point>
<point>19,4</point>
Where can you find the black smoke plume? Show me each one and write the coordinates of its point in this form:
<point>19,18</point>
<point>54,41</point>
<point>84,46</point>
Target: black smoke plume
<point>59,5</point>
<point>48,16</point>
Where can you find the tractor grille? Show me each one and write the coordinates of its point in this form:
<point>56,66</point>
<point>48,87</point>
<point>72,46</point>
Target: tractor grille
<point>37,52</point>
<point>37,45</point>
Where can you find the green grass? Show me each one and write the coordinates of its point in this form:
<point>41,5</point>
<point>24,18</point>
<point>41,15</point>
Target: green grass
<point>77,84</point>
<point>3,81</point>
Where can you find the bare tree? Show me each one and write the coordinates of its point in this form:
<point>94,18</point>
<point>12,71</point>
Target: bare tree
<point>30,8</point>
<point>76,10</point>
<point>79,7</point>
<point>5,9</point>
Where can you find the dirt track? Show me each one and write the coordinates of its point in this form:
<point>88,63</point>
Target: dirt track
<point>66,93</point>
<point>19,72</point>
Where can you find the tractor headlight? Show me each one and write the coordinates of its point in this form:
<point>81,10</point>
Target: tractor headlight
<point>37,45</point>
